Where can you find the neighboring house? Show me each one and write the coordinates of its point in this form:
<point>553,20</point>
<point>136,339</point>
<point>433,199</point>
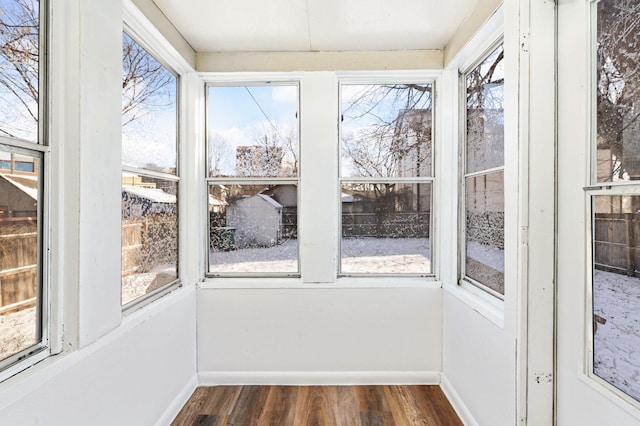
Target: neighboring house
<point>18,196</point>
<point>287,195</point>
<point>257,220</point>
<point>138,202</point>
<point>356,203</point>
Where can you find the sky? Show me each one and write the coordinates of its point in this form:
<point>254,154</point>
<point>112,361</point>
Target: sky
<point>152,137</point>
<point>236,114</point>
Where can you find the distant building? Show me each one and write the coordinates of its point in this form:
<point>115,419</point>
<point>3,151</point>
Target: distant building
<point>412,149</point>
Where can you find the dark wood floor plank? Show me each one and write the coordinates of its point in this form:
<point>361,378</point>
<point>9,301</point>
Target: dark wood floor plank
<point>345,405</point>
<point>249,405</point>
<point>406,408</point>
<point>318,405</point>
<point>193,407</point>
<point>280,406</point>
<point>374,407</point>
<point>221,401</point>
<point>439,401</point>
<point>313,408</point>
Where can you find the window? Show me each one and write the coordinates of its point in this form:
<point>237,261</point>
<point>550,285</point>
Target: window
<point>386,178</point>
<point>24,327</point>
<point>252,178</point>
<point>614,200</point>
<point>150,177</point>
<point>482,260</point>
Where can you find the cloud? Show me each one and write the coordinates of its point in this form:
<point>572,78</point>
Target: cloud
<point>285,94</point>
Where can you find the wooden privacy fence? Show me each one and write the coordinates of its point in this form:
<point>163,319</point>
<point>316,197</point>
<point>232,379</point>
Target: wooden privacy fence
<point>148,241</point>
<point>18,263</point>
<point>616,243</point>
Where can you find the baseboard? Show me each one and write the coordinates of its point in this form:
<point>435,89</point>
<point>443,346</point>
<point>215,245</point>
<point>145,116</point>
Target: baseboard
<point>457,402</point>
<point>301,378</point>
<point>178,402</point>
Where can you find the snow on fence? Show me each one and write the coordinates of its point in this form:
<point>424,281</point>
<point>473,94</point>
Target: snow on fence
<point>18,263</point>
<point>385,225</point>
<point>617,243</point>
<point>147,242</point>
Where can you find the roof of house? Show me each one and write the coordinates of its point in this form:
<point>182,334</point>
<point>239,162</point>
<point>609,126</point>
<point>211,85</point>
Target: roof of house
<point>270,200</point>
<point>154,194</point>
<point>27,184</point>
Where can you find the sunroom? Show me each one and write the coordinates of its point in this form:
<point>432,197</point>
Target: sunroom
<point>299,193</point>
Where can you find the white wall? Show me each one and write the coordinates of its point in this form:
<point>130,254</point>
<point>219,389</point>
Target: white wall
<point>139,374</point>
<point>319,335</point>
<point>319,329</point>
<point>109,369</point>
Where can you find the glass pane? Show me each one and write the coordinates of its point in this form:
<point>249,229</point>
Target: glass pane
<point>616,291</point>
<point>386,130</point>
<point>20,325</point>
<point>485,113</point>
<point>253,229</point>
<point>149,129</point>
<point>149,235</point>
<point>484,230</point>
<point>386,228</point>
<point>19,68</point>
<point>253,131</point>
<point>618,94</point>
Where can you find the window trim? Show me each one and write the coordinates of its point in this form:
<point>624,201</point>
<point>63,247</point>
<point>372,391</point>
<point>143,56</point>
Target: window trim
<point>40,148</point>
<point>379,78</point>
<point>590,191</point>
<point>465,281</point>
<point>143,300</point>
<point>227,80</point>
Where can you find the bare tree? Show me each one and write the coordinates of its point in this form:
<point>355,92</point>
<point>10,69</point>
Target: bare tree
<point>219,150</point>
<point>19,63</point>
<point>387,133</point>
<point>146,83</point>
<point>396,122</point>
<point>618,94</point>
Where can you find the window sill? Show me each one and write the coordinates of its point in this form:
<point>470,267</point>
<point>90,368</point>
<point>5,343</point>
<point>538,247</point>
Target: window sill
<point>339,283</point>
<point>490,307</point>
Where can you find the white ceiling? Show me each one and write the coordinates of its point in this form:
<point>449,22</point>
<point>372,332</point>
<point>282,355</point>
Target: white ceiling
<point>316,25</point>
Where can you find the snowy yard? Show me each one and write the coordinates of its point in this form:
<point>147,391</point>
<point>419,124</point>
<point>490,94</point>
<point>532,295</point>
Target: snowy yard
<point>377,255</point>
<point>17,331</point>
<point>137,285</point>
<point>616,343</point>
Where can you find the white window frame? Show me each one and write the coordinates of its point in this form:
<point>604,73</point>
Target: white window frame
<point>316,90</point>
<point>465,280</point>
<point>137,27</point>
<point>209,181</point>
<point>592,189</point>
<point>403,78</point>
<point>38,149</point>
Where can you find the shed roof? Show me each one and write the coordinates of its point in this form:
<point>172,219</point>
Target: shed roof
<point>26,184</point>
<point>154,194</point>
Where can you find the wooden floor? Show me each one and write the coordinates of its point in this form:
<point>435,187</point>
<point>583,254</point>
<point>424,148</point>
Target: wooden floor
<point>317,405</point>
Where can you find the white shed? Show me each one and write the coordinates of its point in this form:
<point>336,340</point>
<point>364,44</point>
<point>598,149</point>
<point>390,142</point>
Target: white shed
<point>257,220</point>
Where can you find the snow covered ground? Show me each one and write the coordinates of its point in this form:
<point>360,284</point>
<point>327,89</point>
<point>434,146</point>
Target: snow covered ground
<point>17,331</point>
<point>487,255</point>
<point>616,343</point>
<point>378,255</point>
<point>136,285</point>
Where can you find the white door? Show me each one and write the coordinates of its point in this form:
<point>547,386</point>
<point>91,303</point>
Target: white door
<point>598,246</point>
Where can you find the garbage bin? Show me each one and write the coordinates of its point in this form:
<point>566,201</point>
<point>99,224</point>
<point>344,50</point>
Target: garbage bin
<point>224,237</point>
